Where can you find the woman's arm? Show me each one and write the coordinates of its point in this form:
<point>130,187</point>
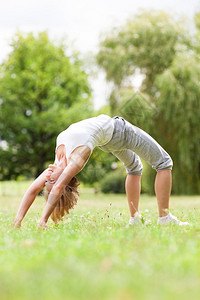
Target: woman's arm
<point>29,197</point>
<point>76,162</point>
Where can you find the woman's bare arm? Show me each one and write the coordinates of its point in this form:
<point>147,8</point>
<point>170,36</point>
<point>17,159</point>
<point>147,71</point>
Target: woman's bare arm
<point>76,162</point>
<point>29,197</point>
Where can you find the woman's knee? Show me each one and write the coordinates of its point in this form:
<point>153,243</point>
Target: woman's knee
<point>167,163</point>
<point>136,169</point>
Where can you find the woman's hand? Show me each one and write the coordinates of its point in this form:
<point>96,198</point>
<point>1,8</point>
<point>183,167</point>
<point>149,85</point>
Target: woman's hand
<point>17,223</point>
<point>42,225</point>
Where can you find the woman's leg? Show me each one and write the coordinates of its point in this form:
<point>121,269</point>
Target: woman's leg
<point>133,187</point>
<point>163,191</point>
<point>148,149</point>
<point>163,183</point>
<point>134,167</point>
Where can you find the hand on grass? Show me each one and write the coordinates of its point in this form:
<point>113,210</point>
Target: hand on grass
<point>42,225</point>
<point>17,223</point>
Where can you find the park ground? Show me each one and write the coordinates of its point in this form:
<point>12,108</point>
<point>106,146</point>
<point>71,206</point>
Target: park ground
<point>94,254</point>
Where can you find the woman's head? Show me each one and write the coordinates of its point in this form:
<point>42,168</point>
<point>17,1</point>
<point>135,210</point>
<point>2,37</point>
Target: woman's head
<point>53,172</point>
<point>67,200</point>
<point>70,193</point>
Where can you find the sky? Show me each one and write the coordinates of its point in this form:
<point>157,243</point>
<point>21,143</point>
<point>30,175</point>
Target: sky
<point>81,22</point>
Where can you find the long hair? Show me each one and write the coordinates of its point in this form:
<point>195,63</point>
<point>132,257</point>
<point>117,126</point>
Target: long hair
<point>67,201</point>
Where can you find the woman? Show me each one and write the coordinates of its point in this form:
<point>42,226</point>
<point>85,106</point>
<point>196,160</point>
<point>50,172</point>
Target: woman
<point>74,147</point>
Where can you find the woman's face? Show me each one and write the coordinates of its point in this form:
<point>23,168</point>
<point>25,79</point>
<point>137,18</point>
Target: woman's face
<point>53,173</point>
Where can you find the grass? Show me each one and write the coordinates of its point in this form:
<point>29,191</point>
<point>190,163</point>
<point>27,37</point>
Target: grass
<point>93,254</point>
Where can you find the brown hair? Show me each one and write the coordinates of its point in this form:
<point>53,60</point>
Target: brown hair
<point>67,201</point>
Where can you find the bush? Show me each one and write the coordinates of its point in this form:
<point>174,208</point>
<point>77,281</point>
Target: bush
<point>113,182</point>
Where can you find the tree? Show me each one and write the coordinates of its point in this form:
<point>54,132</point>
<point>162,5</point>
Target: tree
<point>42,91</point>
<point>197,20</point>
<point>167,104</point>
<point>146,42</point>
<point>179,112</point>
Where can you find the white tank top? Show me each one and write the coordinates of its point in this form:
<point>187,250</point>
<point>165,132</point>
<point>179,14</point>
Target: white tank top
<point>91,132</point>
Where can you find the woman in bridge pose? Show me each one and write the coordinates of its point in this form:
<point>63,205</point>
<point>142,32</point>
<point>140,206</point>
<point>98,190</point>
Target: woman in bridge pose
<point>73,149</point>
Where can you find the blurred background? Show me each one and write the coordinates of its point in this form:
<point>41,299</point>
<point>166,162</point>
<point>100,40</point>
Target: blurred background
<point>61,62</point>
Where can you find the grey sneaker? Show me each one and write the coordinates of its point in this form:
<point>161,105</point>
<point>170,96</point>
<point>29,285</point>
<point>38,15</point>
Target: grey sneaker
<point>171,220</point>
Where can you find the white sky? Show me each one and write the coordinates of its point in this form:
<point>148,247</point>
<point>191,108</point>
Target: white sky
<point>81,21</point>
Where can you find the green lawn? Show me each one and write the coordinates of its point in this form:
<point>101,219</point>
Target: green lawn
<point>93,254</point>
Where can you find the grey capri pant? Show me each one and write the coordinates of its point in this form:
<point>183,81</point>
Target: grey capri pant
<point>129,143</point>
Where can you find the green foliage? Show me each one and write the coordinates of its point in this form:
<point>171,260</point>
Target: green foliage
<point>42,91</point>
<point>137,108</point>
<point>197,20</point>
<point>113,182</point>
<point>167,104</point>
<point>147,41</point>
<point>98,166</point>
<point>179,105</point>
